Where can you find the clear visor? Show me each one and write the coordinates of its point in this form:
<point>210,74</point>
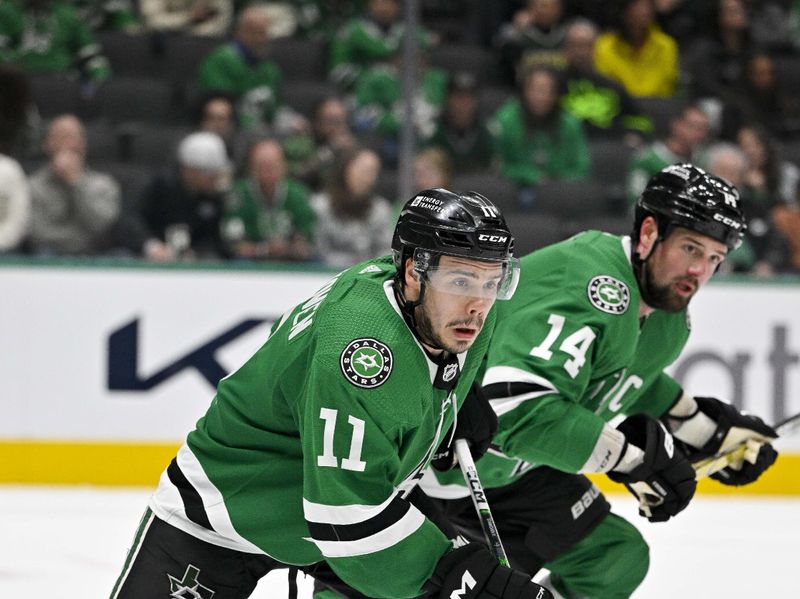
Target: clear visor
<point>458,275</point>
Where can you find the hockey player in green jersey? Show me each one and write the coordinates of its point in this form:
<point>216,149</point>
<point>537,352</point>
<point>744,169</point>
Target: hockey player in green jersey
<point>585,340</point>
<point>310,450</point>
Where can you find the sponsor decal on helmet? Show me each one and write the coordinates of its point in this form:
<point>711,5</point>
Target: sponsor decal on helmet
<point>366,363</point>
<point>728,222</point>
<point>679,170</point>
<point>429,203</point>
<point>609,294</point>
<point>492,238</point>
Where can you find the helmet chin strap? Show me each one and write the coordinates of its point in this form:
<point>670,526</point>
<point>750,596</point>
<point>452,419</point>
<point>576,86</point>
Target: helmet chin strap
<point>408,308</point>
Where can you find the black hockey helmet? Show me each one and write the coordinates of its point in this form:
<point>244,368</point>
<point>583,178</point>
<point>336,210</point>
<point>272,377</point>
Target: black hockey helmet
<point>684,195</point>
<point>437,222</point>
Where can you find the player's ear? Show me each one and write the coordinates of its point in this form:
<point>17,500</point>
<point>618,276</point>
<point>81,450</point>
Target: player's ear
<point>412,281</point>
<point>648,234</point>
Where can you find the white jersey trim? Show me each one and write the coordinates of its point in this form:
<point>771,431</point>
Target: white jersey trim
<point>433,488</point>
<point>510,374</point>
<point>506,374</point>
<point>388,537</point>
<point>167,504</point>
<point>343,514</point>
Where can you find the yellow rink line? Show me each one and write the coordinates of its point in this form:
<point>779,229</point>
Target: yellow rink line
<point>140,464</point>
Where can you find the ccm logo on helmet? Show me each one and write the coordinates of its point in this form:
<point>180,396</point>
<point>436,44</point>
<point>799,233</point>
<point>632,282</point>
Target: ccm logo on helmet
<point>727,221</point>
<point>492,238</point>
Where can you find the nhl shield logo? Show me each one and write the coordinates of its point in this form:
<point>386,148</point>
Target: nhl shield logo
<point>366,363</point>
<point>450,371</point>
<point>609,294</point>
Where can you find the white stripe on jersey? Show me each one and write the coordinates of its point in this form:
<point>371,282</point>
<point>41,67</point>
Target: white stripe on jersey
<point>388,537</point>
<point>509,374</point>
<point>343,514</point>
<point>166,503</point>
<point>433,488</point>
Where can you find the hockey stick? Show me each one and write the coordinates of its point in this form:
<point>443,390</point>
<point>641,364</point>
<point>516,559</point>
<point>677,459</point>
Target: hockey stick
<point>479,500</point>
<point>747,450</point>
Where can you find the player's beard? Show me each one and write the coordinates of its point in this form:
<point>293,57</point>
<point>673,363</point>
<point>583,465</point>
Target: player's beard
<point>428,335</point>
<point>661,297</point>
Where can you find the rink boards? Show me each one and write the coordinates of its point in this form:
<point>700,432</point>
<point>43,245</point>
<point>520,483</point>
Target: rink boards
<point>106,368</point>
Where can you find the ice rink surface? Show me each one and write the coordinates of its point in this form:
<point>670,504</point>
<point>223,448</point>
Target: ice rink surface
<point>70,543</point>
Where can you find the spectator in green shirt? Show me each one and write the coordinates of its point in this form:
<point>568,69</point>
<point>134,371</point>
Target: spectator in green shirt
<point>269,215</point>
<point>48,36</point>
<point>241,68</point>
<point>536,139</point>
<point>375,37</point>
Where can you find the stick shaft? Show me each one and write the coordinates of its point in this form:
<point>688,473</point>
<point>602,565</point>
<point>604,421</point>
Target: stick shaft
<point>478,495</point>
<point>717,462</point>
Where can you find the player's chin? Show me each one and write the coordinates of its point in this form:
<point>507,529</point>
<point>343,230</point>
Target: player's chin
<point>458,346</point>
<point>677,303</point>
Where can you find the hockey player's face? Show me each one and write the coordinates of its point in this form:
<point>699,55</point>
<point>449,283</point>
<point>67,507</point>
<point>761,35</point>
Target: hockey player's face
<point>678,267</point>
<point>449,318</point>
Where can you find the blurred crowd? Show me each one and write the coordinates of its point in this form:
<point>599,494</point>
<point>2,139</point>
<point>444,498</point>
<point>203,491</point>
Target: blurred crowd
<point>226,130</point>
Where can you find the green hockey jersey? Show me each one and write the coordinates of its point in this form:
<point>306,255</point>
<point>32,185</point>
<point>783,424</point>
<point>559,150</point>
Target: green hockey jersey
<point>308,450</point>
<point>571,353</point>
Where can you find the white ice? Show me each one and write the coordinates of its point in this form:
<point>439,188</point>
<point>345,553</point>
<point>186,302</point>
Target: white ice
<point>70,543</point>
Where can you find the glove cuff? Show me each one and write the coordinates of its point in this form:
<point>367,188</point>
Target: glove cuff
<point>696,431</point>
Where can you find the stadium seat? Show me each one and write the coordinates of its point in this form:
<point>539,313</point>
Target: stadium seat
<point>153,145</point>
<point>300,59</point>
<point>661,111</point>
<point>303,95</point>
<point>135,99</point>
<point>184,54</point>
<point>570,200</point>
<point>101,142</point>
<point>610,160</point>
<point>387,184</point>
<point>132,178</point>
<point>492,97</point>
<point>133,55</point>
<point>787,72</point>
<point>463,57</point>
<point>533,231</point>
<point>497,188</point>
<point>55,94</point>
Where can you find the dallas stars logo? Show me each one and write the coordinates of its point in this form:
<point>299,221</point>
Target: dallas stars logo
<point>188,587</point>
<point>366,363</point>
<point>609,294</point>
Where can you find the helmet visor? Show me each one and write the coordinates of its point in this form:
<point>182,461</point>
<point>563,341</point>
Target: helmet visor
<point>457,275</point>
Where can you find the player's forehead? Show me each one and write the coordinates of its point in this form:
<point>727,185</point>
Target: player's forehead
<point>683,235</point>
<point>477,267</point>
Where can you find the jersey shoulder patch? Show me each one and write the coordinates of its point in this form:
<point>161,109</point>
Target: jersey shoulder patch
<point>608,294</point>
<point>366,362</point>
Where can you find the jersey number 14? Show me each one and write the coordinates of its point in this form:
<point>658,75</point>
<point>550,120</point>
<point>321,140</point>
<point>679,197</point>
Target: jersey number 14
<point>575,345</point>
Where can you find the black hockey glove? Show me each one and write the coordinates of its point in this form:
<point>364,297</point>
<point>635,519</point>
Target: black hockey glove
<point>472,572</point>
<point>476,422</point>
<point>734,428</point>
<point>668,476</point>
